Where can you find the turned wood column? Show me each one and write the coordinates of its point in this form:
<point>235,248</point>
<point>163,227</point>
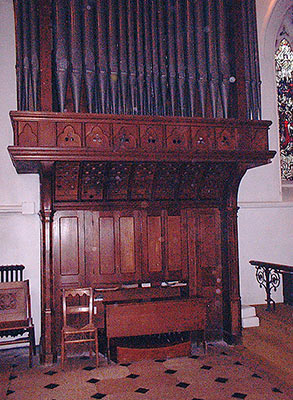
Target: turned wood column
<point>46,215</point>
<point>232,326</point>
<point>232,301</point>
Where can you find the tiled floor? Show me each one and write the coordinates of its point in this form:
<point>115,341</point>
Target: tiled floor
<point>222,373</point>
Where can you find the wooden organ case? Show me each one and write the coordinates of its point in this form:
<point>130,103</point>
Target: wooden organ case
<point>137,193</point>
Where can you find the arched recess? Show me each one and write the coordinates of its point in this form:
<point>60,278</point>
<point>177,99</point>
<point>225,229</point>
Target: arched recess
<point>276,14</point>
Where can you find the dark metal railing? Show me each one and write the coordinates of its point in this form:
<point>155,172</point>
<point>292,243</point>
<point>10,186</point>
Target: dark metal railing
<point>268,275</point>
<point>11,273</point>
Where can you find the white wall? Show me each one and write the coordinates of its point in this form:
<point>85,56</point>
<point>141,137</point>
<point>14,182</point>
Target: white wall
<point>264,221</point>
<point>19,224</point>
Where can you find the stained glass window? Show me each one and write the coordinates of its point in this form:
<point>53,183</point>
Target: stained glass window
<point>284,76</point>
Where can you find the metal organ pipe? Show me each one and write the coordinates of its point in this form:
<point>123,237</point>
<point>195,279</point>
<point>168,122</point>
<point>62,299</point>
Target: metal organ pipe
<point>157,57</point>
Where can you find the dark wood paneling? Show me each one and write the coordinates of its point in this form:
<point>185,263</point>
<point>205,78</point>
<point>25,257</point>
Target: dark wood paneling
<point>112,247</point>
<point>69,246</point>
<point>69,266</point>
<point>106,240</point>
<point>127,245</point>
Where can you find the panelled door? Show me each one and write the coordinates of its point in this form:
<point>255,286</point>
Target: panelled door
<point>164,246</point>
<point>68,261</point>
<point>112,247</point>
<point>204,257</point>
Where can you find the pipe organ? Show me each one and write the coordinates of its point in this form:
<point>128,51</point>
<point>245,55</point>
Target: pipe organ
<point>141,118</point>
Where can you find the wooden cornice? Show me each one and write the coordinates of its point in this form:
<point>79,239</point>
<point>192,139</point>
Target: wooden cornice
<point>137,158</point>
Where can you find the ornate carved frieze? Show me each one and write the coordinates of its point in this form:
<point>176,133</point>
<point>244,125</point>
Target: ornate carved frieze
<point>69,135</point>
<point>142,181</point>
<point>166,181</point>
<point>28,134</point>
<point>120,133</point>
<point>118,181</point>
<point>92,181</point>
<point>66,181</point>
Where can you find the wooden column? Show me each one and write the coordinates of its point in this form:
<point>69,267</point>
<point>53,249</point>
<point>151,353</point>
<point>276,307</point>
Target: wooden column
<point>231,286</point>
<point>46,215</point>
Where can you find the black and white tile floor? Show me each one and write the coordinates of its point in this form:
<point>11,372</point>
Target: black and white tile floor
<point>222,373</point>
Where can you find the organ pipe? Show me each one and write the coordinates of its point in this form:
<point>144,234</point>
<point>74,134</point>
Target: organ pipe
<point>156,57</point>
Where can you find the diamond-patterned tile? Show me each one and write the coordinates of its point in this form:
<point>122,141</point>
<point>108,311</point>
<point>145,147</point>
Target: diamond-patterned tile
<point>142,390</point>
<point>221,380</point>
<point>98,395</point>
<point>237,395</point>
<point>89,368</point>
<point>132,376</point>
<point>276,390</point>
<point>183,385</point>
<point>51,386</point>
<point>93,380</point>
<point>256,376</point>
<point>207,367</point>
<point>170,371</point>
<point>209,376</point>
<point>51,372</point>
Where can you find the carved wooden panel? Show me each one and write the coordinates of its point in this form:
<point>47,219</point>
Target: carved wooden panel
<point>226,139</point>
<point>214,179</point>
<point>69,248</point>
<point>69,135</point>
<point>106,240</point>
<point>205,265</point>
<point>177,137</point>
<point>93,180</point>
<point>176,250</point>
<point>142,180</point>
<point>28,134</point>
<point>68,259</point>
<point>151,137</point>
<point>166,181</point>
<point>112,247</point>
<point>125,136</point>
<point>66,181</point>
<point>118,180</point>
<point>259,139</point>
<point>140,133</point>
<point>208,250</point>
<point>190,180</point>
<point>127,245</point>
<point>98,136</point>
<point>152,247</point>
<point>47,133</point>
<point>202,138</point>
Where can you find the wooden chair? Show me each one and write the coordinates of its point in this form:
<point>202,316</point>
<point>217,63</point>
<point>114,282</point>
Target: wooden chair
<point>78,303</point>
<point>15,315</point>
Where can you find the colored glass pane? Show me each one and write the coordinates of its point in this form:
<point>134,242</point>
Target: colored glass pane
<point>284,77</point>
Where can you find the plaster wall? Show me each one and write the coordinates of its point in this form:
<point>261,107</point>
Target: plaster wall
<point>19,194</point>
<point>264,221</point>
